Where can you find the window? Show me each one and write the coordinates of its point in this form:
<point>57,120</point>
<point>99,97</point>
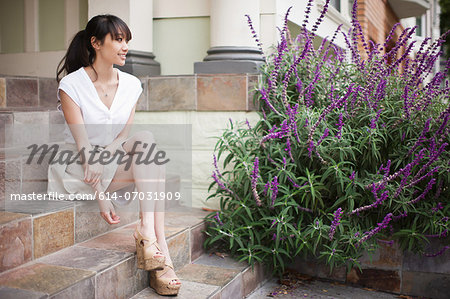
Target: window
<point>419,29</point>
<point>336,4</point>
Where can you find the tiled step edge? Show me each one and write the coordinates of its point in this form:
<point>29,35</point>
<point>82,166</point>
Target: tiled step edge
<point>33,229</point>
<point>214,277</point>
<point>100,267</point>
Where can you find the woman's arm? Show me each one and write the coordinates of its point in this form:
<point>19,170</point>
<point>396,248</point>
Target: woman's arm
<point>92,173</point>
<point>74,119</point>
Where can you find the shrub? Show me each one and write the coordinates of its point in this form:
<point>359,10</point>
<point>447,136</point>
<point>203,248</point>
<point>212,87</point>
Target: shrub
<point>351,148</point>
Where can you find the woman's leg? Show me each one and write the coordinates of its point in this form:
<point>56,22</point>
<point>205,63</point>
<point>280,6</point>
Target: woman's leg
<point>148,178</point>
<point>160,235</point>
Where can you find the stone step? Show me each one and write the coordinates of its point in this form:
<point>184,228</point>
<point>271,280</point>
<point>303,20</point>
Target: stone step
<point>30,229</point>
<point>101,267</point>
<point>211,276</point>
<point>33,229</point>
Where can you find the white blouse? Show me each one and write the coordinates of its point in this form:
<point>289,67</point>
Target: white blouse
<point>102,124</point>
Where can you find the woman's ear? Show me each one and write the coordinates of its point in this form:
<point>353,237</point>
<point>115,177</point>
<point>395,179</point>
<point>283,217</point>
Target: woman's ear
<point>95,43</point>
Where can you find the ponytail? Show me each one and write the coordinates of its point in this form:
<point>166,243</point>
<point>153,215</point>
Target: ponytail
<point>79,54</point>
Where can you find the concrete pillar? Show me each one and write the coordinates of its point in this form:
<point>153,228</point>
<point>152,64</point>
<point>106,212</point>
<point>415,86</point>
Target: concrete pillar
<point>31,26</point>
<point>233,49</point>
<point>72,20</point>
<point>138,14</point>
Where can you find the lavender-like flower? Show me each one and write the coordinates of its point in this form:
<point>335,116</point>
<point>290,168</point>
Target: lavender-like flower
<point>310,148</point>
<point>406,174</point>
<point>352,176</point>
<point>275,221</point>
<point>218,219</point>
<point>306,14</point>
<point>215,166</point>
<point>437,208</point>
<point>327,110</point>
<point>424,193</point>
<point>340,124</point>
<point>325,135</point>
<point>440,252</point>
<point>274,190</point>
<point>425,130</point>
<point>265,96</point>
<point>443,234</point>
<point>376,203</point>
<point>439,189</point>
<point>322,15</point>
<point>294,183</point>
<point>288,149</point>
<point>222,185</point>
<point>382,225</point>
<point>254,181</point>
<point>248,124</point>
<point>255,36</point>
<point>400,216</point>
<point>336,221</point>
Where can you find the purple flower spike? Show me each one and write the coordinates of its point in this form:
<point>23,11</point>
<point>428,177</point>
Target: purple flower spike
<point>440,252</point>
<point>352,176</point>
<point>274,189</point>
<point>222,185</point>
<point>424,193</point>
<point>340,124</point>
<point>215,165</point>
<point>248,124</point>
<point>255,36</point>
<point>254,177</point>
<point>441,235</point>
<point>325,135</point>
<point>275,221</point>
<point>371,233</point>
<point>438,207</point>
<point>336,221</point>
<point>288,149</point>
<point>218,219</point>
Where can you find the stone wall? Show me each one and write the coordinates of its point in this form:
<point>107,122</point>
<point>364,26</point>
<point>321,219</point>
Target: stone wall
<point>392,270</point>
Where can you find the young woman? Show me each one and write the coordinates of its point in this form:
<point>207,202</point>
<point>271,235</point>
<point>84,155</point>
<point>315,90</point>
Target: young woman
<point>99,102</point>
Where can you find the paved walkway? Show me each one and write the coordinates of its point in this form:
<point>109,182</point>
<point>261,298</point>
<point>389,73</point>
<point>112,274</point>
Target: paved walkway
<point>316,289</point>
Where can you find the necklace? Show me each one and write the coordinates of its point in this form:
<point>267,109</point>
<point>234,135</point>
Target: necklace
<point>105,94</point>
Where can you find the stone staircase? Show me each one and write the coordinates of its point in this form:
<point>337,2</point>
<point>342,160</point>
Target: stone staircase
<point>64,249</point>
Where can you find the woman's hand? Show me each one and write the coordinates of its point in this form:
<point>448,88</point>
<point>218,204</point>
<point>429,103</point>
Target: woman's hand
<point>107,210</point>
<point>93,173</point>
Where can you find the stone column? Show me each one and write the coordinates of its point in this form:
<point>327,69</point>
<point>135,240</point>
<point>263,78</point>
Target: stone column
<point>138,14</point>
<point>233,49</point>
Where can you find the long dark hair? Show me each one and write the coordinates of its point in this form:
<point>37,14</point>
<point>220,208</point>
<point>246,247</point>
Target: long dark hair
<point>80,52</point>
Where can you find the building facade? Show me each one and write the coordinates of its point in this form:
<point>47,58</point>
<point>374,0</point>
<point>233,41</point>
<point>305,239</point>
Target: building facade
<point>173,37</point>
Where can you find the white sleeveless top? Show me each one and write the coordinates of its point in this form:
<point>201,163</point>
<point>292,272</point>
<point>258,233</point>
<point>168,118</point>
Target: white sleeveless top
<point>102,124</point>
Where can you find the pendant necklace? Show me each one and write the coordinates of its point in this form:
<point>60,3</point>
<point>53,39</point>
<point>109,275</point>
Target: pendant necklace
<point>105,94</point>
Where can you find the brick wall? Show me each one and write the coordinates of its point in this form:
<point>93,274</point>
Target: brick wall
<point>377,19</point>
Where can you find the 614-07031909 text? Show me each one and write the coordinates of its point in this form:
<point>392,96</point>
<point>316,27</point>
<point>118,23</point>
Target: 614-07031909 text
<point>134,195</point>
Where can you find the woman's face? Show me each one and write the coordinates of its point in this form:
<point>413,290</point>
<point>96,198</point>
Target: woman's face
<point>111,51</point>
